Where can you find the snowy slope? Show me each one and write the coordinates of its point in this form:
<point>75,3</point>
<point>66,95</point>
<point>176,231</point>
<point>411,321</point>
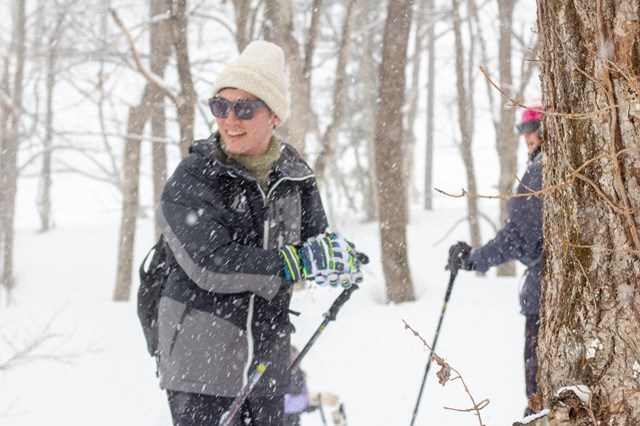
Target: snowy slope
<point>102,375</point>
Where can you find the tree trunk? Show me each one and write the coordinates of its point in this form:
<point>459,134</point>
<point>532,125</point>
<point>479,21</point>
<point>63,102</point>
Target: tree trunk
<point>431,88</point>
<point>44,196</point>
<point>506,138</point>
<point>590,318</point>
<point>160,40</point>
<point>186,109</point>
<point>465,123</point>
<point>413,95</point>
<point>279,29</point>
<point>391,186</point>
<point>9,152</point>
<point>339,98</point>
<point>367,16</point>
<point>138,116</point>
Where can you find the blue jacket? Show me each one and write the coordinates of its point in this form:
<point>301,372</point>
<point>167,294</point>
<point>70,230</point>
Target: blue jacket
<point>520,239</point>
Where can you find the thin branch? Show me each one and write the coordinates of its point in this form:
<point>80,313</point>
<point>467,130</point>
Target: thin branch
<point>584,115</point>
<point>141,69</point>
<point>444,375</point>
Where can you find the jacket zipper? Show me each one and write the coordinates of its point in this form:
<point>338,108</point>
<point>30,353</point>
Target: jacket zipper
<point>265,245</point>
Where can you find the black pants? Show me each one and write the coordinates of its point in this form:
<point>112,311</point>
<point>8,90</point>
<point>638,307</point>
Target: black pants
<point>531,328</point>
<point>193,409</point>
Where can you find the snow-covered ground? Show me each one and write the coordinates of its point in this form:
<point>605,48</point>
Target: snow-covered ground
<point>94,368</point>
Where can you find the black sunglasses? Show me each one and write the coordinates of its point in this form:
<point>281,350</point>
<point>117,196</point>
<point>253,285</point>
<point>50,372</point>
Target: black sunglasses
<point>528,127</point>
<point>244,110</point>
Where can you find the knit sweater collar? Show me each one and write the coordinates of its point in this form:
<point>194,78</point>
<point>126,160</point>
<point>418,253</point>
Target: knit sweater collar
<point>260,166</point>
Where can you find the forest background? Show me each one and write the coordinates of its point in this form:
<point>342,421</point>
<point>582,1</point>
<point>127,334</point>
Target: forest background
<point>100,99</point>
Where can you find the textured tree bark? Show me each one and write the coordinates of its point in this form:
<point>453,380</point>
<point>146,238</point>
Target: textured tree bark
<point>390,182</point>
<point>590,331</point>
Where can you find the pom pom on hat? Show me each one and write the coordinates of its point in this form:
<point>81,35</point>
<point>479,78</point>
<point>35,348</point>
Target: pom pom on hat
<point>531,114</point>
<point>258,70</point>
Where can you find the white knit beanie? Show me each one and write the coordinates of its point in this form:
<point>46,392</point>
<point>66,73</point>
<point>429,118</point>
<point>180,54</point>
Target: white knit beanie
<point>258,70</point>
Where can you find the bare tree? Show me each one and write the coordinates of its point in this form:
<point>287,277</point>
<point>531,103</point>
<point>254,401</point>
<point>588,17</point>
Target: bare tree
<point>590,320</point>
<point>138,116</point>
<point>339,97</point>
<point>506,138</point>
<point>391,184</point>
<point>52,74</point>
<point>464,99</point>
<point>151,105</point>
<point>413,96</point>
<point>362,102</point>
<point>431,88</point>
<point>187,99</point>
<point>9,147</point>
<point>160,38</point>
<point>279,28</point>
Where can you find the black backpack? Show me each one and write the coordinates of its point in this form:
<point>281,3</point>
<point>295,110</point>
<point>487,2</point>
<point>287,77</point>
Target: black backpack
<point>154,271</point>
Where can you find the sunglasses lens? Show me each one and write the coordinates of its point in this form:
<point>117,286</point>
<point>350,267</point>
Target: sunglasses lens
<point>244,110</point>
<point>219,107</point>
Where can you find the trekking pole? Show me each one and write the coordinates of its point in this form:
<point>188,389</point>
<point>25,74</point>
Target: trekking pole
<point>329,316</point>
<point>324,420</point>
<point>435,340</point>
<point>233,409</point>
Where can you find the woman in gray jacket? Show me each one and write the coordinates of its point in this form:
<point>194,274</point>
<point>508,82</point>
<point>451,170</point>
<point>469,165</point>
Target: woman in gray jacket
<point>242,219</point>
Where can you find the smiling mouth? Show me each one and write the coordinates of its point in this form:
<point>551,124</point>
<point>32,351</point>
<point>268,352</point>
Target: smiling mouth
<point>235,133</point>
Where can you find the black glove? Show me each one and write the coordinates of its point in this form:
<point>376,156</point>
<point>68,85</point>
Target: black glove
<point>459,257</point>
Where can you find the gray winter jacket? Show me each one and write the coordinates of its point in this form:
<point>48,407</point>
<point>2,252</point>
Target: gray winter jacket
<point>225,307</point>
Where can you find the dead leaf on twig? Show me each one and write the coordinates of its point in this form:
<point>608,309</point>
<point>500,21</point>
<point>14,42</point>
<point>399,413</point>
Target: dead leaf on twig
<point>444,375</point>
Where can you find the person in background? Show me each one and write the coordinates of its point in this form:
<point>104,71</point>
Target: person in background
<point>296,400</point>
<point>242,221</point>
<point>299,400</point>
<point>520,239</point>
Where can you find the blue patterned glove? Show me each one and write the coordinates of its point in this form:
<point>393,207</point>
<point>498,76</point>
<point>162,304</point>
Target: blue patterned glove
<point>324,258</point>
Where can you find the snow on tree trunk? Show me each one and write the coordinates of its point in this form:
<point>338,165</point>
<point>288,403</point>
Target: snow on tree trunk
<point>590,331</point>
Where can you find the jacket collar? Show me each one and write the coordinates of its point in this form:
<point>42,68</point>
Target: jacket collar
<point>288,166</point>
<point>536,155</point>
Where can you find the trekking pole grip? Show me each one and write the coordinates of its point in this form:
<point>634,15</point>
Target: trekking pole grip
<point>340,300</point>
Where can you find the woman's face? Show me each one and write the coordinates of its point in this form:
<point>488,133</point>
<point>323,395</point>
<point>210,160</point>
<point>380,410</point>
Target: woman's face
<point>533,141</point>
<point>246,137</point>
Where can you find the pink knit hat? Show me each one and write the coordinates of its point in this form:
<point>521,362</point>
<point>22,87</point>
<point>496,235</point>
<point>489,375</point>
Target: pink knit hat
<point>530,121</point>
